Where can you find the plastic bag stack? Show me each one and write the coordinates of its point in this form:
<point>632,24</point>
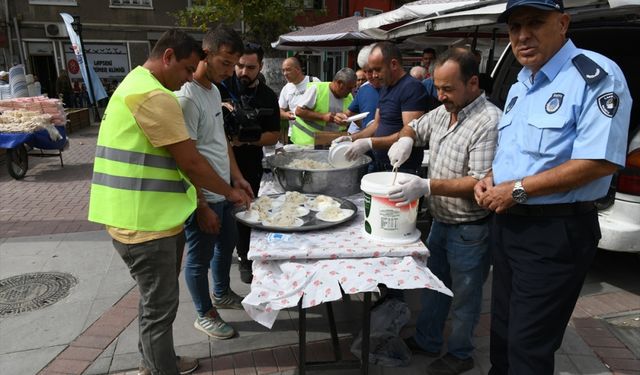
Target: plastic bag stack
<point>18,82</point>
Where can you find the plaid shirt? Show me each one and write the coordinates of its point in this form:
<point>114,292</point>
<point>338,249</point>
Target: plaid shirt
<point>465,148</point>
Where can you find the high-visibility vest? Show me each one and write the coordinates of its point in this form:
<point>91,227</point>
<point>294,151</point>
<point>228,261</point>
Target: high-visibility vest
<point>302,132</point>
<point>135,185</point>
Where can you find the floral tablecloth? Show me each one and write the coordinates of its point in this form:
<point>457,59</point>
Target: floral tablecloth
<point>280,284</point>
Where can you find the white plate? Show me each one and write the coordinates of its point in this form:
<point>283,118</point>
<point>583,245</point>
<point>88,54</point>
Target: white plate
<point>300,210</point>
<point>250,216</point>
<point>311,204</point>
<point>345,214</point>
<point>357,117</point>
<point>297,223</point>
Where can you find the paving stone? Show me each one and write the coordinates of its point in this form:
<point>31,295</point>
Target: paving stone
<point>28,361</point>
<point>243,364</point>
<point>588,364</point>
<point>265,361</point>
<point>223,365</point>
<point>80,353</point>
<point>619,364</point>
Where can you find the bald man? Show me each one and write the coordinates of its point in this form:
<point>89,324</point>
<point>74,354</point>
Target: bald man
<point>292,92</point>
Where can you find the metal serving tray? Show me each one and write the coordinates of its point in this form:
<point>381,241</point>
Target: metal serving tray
<point>311,222</point>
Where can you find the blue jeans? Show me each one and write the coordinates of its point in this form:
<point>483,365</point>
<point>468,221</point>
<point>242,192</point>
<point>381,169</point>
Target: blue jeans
<point>460,258</point>
<point>206,251</point>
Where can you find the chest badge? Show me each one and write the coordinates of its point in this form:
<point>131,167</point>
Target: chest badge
<point>554,103</point>
<point>608,104</point>
<point>512,102</point>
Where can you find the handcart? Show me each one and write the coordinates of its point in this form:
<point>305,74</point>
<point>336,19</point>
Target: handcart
<point>22,145</point>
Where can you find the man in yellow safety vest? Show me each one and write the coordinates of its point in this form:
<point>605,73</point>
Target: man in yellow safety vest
<point>142,189</point>
<point>322,107</point>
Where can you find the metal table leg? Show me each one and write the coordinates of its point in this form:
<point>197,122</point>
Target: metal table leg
<point>334,333</point>
<point>366,328</point>
<point>302,339</point>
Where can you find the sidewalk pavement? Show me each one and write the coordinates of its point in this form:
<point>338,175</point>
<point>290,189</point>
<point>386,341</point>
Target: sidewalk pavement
<point>93,330</point>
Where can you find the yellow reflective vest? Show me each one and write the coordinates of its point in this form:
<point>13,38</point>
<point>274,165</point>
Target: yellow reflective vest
<point>302,131</point>
<point>135,185</point>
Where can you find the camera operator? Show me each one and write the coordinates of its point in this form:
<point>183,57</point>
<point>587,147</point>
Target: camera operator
<point>258,106</point>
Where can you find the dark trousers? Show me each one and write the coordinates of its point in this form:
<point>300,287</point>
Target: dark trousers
<point>252,172</point>
<point>539,266</point>
<point>155,265</point>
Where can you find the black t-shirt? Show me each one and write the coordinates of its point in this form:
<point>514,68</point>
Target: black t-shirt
<point>260,96</point>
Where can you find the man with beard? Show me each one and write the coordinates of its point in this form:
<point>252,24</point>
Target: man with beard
<point>211,229</point>
<point>461,135</point>
<point>245,89</point>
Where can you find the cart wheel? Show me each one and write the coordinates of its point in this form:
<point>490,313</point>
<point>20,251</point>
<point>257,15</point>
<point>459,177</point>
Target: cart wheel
<point>17,162</point>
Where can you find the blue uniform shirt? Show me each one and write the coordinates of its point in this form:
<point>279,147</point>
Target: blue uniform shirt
<point>560,117</point>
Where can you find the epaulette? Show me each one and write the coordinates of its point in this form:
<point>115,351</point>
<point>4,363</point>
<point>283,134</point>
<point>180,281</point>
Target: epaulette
<point>590,71</point>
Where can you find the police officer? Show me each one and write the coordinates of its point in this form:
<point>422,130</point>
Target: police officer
<point>563,134</point>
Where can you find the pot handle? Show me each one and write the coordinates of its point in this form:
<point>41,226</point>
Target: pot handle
<point>276,172</point>
<point>306,177</point>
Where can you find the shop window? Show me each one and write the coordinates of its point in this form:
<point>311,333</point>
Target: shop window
<point>147,4</point>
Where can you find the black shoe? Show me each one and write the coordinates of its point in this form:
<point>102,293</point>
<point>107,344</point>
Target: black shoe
<point>417,349</point>
<point>449,365</point>
<point>245,271</point>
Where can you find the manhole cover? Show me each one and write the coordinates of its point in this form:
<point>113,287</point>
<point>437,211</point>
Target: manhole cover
<point>32,291</point>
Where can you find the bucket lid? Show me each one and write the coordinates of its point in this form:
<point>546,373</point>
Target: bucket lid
<point>379,183</point>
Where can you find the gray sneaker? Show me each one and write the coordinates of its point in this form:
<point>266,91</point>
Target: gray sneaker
<point>230,301</point>
<point>213,325</point>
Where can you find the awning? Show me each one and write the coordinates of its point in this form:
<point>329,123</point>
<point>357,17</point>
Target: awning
<point>378,25</point>
<point>483,17</point>
<point>337,35</point>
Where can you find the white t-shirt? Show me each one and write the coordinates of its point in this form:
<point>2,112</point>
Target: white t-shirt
<point>203,116</point>
<point>291,94</point>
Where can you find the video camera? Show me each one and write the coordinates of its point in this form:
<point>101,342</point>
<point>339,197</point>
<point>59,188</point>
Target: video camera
<point>243,122</point>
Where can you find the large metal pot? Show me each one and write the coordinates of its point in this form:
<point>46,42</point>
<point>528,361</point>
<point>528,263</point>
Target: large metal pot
<point>337,182</point>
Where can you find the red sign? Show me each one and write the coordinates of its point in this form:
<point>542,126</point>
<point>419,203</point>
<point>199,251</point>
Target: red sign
<point>73,66</point>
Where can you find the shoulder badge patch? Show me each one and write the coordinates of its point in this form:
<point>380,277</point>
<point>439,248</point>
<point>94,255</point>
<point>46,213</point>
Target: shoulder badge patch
<point>590,71</point>
<point>608,104</point>
<point>512,102</point>
<point>554,102</point>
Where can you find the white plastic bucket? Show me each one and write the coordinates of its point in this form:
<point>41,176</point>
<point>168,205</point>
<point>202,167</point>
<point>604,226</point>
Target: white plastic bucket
<point>383,221</point>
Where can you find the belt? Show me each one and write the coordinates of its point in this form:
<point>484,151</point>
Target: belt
<point>477,222</point>
<point>560,209</point>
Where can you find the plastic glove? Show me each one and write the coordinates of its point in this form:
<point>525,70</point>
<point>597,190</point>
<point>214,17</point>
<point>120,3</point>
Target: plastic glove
<point>358,148</point>
<point>400,151</point>
<point>344,138</point>
<point>409,190</point>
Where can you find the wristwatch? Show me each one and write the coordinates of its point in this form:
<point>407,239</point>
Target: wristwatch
<point>518,193</point>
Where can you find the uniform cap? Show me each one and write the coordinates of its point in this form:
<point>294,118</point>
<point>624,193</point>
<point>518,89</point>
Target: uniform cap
<point>556,5</point>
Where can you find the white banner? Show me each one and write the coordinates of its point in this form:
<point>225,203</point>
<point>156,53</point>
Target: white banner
<point>96,84</point>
